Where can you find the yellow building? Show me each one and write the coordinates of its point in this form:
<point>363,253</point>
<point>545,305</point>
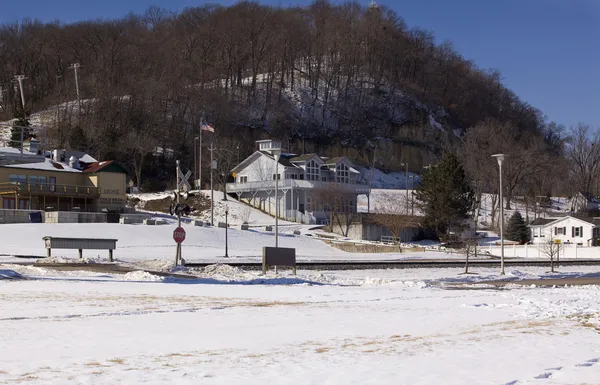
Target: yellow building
<point>52,185</point>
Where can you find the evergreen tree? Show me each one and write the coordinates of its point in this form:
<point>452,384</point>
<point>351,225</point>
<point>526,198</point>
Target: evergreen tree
<point>517,229</point>
<point>445,196</point>
<point>21,120</point>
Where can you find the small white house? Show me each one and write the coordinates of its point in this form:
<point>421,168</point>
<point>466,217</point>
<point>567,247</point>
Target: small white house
<point>568,229</point>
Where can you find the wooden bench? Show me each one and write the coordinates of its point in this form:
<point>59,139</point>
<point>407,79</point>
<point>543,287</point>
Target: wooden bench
<point>80,244</point>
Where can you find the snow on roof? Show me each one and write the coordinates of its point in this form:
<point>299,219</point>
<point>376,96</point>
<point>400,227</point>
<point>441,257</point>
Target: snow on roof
<point>87,159</point>
<point>48,165</point>
<point>12,150</point>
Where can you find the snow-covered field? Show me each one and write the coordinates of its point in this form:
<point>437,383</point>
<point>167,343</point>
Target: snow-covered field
<point>232,327</point>
<point>140,242</point>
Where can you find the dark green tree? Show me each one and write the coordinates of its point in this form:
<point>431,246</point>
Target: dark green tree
<point>445,196</point>
<point>21,120</point>
<point>517,229</point>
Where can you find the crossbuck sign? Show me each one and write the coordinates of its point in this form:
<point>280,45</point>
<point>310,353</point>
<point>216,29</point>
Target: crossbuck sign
<point>184,185</point>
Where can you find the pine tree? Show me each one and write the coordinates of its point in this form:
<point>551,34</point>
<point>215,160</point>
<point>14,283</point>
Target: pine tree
<point>517,229</point>
<point>20,121</point>
<point>445,196</point>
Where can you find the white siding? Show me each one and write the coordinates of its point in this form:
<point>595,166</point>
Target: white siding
<point>568,224</point>
<point>261,169</point>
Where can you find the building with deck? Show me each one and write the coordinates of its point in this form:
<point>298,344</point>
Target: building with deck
<point>55,185</point>
<point>309,186</point>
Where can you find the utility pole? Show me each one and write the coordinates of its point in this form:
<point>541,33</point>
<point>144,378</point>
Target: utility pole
<point>178,250</point>
<point>412,198</point>
<point>75,67</point>
<point>212,193</point>
<point>20,79</point>
<point>200,155</point>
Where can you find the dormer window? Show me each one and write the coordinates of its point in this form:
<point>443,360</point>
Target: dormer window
<point>312,171</point>
<point>341,173</point>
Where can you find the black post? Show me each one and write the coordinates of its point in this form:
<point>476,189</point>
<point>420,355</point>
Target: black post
<point>226,254</point>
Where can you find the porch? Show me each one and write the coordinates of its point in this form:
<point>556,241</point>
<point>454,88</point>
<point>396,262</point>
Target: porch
<point>59,197</point>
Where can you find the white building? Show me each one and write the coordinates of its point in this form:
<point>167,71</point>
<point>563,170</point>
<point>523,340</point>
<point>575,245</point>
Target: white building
<point>306,183</point>
<point>584,201</point>
<point>568,229</point>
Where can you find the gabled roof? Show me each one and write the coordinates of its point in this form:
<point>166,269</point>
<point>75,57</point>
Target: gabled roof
<point>47,165</point>
<point>284,160</point>
<point>255,155</point>
<point>305,158</point>
<point>548,221</point>
<point>589,197</point>
<point>541,221</point>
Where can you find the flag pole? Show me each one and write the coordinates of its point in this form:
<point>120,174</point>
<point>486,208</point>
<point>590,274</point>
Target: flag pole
<point>200,158</point>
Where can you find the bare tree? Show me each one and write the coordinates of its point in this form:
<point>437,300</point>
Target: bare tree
<point>338,204</point>
<point>583,154</point>
<point>551,248</point>
<point>390,213</point>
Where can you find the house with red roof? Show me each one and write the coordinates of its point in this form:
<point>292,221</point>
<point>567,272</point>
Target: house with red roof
<point>63,182</point>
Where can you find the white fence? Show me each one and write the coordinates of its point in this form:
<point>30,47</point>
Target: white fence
<point>537,251</point>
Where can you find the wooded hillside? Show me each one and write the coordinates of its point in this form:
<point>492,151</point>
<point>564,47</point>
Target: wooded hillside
<point>335,79</point>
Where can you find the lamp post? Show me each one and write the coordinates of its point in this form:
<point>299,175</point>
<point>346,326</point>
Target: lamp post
<point>406,183</point>
<point>500,159</point>
<point>276,154</point>
<point>226,245</point>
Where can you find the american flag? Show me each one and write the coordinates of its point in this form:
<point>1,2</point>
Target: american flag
<point>207,127</point>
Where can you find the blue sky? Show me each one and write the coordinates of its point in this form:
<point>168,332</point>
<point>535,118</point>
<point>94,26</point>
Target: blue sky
<point>547,50</point>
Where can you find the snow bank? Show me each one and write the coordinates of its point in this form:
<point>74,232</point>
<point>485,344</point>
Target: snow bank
<point>57,259</point>
<point>142,276</point>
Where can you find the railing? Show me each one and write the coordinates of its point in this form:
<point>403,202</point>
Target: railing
<point>49,189</point>
<point>269,185</point>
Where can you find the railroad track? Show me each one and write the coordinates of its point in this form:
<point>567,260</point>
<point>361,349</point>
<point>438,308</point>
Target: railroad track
<point>334,265</point>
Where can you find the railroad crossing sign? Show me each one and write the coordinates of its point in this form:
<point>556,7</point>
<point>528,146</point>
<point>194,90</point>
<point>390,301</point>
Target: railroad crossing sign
<point>184,185</point>
<point>179,234</point>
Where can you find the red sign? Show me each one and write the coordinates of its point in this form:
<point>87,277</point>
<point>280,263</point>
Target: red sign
<point>179,235</point>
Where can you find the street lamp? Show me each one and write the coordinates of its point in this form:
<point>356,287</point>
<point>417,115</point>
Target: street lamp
<point>226,212</point>
<point>406,183</point>
<point>276,154</point>
<point>500,159</point>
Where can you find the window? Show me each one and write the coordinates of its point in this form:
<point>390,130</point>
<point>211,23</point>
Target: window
<point>20,179</point>
<point>243,179</point>
<point>309,206</point>
<point>8,203</point>
<point>341,173</point>
<point>577,232</point>
<point>277,176</point>
<point>37,180</point>
<point>312,171</point>
<point>560,230</point>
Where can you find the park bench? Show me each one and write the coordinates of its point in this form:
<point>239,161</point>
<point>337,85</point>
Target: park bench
<point>80,244</point>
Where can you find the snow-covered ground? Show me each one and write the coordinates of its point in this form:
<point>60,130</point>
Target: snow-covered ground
<point>140,242</point>
<point>238,212</point>
<point>232,327</point>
